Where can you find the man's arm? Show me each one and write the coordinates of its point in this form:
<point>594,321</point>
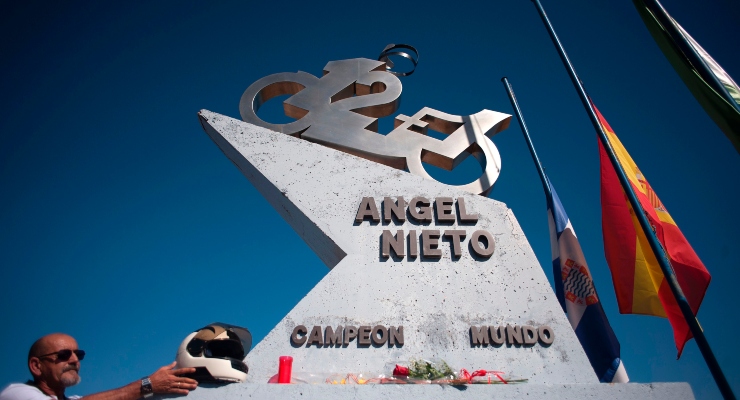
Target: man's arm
<point>165,380</point>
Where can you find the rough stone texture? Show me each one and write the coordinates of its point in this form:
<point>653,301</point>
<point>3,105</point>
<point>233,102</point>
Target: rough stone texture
<point>318,191</point>
<point>629,391</point>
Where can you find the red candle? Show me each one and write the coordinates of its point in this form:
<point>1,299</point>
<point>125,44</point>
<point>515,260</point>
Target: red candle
<point>285,369</point>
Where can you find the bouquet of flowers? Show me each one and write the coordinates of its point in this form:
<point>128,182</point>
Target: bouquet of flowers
<point>439,372</point>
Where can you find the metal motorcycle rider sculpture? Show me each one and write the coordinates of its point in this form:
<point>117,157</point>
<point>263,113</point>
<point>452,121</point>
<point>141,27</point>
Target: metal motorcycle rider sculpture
<point>341,110</point>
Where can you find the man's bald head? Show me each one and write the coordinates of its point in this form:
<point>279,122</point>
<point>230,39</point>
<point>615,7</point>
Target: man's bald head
<point>43,344</point>
<point>49,368</point>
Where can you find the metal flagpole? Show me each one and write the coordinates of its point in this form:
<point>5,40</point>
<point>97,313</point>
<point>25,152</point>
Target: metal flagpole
<point>525,131</point>
<point>660,255</point>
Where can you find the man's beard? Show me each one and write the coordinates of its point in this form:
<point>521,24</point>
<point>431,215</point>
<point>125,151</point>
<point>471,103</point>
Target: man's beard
<point>70,379</point>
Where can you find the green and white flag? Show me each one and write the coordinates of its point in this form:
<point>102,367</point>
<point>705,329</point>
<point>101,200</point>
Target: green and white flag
<point>709,83</point>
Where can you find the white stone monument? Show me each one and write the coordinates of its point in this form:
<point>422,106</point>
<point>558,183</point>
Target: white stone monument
<point>319,191</point>
<point>417,269</point>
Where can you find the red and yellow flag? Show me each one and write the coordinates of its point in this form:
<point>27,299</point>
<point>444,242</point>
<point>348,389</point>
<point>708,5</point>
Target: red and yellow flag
<point>639,283</point>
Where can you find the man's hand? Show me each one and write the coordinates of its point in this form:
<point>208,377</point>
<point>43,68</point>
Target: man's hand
<point>168,380</point>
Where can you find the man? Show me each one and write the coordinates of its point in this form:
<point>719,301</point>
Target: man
<point>54,362</point>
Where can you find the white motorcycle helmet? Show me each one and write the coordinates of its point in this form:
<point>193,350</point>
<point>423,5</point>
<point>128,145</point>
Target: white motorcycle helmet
<point>216,352</point>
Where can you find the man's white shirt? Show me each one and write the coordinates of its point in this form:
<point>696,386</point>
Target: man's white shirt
<point>22,391</point>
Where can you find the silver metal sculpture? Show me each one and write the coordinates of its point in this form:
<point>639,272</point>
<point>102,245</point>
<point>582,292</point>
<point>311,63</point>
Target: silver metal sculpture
<point>341,110</point>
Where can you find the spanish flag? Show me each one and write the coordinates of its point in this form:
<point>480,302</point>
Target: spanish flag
<point>639,283</point>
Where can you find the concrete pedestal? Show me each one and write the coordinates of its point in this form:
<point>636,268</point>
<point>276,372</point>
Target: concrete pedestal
<point>623,391</point>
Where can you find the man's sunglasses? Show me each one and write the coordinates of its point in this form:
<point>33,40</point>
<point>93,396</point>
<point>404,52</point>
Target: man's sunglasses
<point>66,354</point>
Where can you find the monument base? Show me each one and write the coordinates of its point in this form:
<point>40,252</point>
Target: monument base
<point>603,391</point>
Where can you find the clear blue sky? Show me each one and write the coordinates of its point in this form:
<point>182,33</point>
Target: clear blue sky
<point>122,224</point>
